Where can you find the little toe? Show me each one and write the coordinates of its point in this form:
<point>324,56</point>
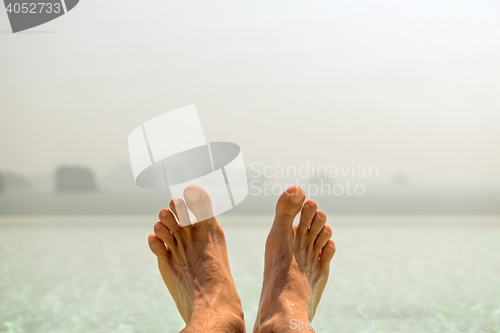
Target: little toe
<point>306,216</point>
<point>327,252</point>
<point>317,224</point>
<point>157,246</point>
<point>323,237</point>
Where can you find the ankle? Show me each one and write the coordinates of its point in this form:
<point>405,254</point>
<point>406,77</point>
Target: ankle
<point>231,323</point>
<point>216,319</point>
<point>281,322</point>
<point>282,313</point>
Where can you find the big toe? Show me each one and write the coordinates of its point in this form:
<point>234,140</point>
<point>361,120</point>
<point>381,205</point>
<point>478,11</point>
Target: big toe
<point>199,202</point>
<point>288,206</point>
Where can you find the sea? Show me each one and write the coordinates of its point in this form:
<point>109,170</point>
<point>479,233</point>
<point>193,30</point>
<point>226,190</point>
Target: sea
<point>95,273</point>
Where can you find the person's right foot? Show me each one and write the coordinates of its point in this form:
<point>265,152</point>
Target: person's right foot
<point>194,265</point>
<point>297,264</point>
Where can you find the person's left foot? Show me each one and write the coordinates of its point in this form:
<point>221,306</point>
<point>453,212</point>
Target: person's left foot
<point>297,264</point>
<point>194,265</point>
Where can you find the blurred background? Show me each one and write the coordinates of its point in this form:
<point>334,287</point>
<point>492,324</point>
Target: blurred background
<point>408,87</point>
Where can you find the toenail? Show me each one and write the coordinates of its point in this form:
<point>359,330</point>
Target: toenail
<point>163,213</point>
<point>297,196</point>
<point>158,226</point>
<point>192,195</point>
<point>322,214</point>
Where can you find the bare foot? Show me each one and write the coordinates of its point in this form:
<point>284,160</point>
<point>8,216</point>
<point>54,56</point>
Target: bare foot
<point>194,265</point>
<point>297,264</point>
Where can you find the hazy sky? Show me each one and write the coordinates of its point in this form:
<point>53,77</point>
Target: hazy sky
<point>411,87</point>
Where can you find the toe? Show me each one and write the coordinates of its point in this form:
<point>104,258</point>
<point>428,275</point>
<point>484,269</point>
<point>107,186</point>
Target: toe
<point>327,252</point>
<point>162,232</point>
<point>172,208</point>
<point>288,206</point>
<point>157,246</point>
<point>317,224</point>
<point>168,219</point>
<point>323,237</point>
<point>199,202</point>
<point>306,216</point>
<point>181,212</point>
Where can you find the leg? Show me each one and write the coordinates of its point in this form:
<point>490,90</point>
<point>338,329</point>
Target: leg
<point>297,264</point>
<point>194,265</point>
